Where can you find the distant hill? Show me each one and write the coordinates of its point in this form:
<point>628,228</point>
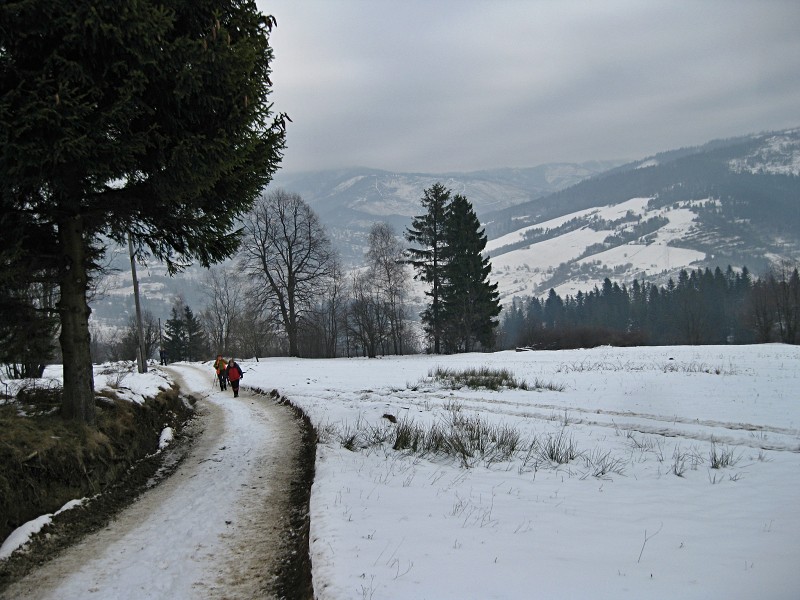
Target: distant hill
<point>727,202</point>
<point>565,226</point>
<point>349,201</point>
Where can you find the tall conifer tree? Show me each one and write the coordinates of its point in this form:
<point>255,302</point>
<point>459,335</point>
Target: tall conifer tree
<point>131,118</point>
<point>175,337</point>
<point>470,304</point>
<point>196,341</point>
<point>427,231</point>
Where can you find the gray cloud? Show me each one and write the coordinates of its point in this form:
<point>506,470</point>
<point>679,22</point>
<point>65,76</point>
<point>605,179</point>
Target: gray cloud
<point>457,85</point>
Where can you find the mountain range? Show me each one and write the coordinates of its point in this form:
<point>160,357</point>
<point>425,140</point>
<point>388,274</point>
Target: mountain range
<point>567,226</point>
<point>349,201</point>
<point>729,202</point>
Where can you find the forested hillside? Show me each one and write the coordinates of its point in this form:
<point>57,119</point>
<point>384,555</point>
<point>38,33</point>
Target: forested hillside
<point>734,202</point>
<point>700,307</point>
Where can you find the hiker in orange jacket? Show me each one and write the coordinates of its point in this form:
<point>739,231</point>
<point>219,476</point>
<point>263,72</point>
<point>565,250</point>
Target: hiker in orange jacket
<point>222,371</point>
<point>234,375</point>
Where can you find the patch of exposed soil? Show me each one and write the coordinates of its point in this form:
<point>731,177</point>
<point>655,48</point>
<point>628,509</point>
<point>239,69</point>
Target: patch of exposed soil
<point>73,525</point>
<point>294,574</point>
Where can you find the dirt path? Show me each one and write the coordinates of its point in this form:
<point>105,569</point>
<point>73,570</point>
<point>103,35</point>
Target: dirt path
<point>217,528</point>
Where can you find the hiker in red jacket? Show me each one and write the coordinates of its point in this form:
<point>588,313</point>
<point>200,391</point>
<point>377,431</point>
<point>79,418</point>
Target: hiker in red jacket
<point>234,375</point>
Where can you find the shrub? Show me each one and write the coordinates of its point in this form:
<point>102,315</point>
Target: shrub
<point>559,448</point>
<point>477,378</point>
<point>601,464</point>
<point>458,435</point>
<point>486,378</point>
<point>682,461</point>
<point>722,457</point>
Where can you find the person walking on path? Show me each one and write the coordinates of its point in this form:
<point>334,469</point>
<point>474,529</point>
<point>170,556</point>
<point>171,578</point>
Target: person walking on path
<point>222,372</point>
<point>234,375</point>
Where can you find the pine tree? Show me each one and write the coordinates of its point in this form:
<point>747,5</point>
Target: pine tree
<point>428,232</point>
<point>470,304</point>
<point>553,310</point>
<point>28,327</point>
<point>196,341</point>
<point>184,338</point>
<point>175,338</point>
<point>134,118</point>
<point>28,297</point>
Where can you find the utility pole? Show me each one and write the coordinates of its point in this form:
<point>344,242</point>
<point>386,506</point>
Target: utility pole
<point>161,355</point>
<point>140,357</point>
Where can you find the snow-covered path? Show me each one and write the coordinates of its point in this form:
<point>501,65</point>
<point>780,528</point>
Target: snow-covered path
<point>209,531</point>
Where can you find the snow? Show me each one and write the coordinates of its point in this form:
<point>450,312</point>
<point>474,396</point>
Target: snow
<point>608,212</point>
<point>647,163</point>
<point>394,525</point>
<point>123,379</point>
<point>391,525</point>
<point>778,155</point>
<point>166,437</point>
<point>347,184</point>
<point>554,251</point>
<point>521,272</point>
<point>649,259</point>
<point>22,534</point>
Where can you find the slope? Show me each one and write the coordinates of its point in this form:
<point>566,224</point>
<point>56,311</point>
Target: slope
<point>733,202</point>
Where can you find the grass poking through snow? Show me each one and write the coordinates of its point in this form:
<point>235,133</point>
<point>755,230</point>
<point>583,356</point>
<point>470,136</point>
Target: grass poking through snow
<point>486,378</point>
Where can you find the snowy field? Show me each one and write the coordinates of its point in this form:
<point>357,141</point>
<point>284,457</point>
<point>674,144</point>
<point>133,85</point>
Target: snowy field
<point>638,512</point>
<point>386,524</point>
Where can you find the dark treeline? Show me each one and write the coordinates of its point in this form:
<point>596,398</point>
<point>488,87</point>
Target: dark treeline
<point>702,307</point>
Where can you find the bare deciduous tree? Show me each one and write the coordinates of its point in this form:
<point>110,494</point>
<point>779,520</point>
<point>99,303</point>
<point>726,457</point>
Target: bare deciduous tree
<point>325,323</point>
<point>288,254</point>
<point>367,321</point>
<point>223,289</point>
<point>390,276</point>
<point>126,345</point>
<point>256,333</point>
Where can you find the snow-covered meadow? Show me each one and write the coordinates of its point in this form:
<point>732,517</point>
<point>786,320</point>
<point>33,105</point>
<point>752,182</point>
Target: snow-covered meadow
<point>660,523</point>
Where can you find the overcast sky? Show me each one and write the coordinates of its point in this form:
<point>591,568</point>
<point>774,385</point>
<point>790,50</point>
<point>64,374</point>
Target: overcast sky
<point>459,85</point>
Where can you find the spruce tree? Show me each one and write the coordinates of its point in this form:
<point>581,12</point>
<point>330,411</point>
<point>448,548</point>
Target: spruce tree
<point>28,327</point>
<point>553,310</point>
<point>427,231</point>
<point>470,304</point>
<point>184,335</point>
<point>196,342</point>
<point>175,338</point>
<point>130,118</point>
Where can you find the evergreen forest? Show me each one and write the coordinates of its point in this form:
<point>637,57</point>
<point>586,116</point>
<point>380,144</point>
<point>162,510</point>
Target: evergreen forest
<point>702,307</point>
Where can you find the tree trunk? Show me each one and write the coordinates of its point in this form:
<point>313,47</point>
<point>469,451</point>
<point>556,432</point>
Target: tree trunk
<point>141,354</point>
<point>78,401</point>
<point>436,325</point>
<point>292,334</point>
<point>291,315</point>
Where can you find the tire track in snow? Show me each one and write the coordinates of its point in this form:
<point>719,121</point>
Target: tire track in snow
<point>761,437</point>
